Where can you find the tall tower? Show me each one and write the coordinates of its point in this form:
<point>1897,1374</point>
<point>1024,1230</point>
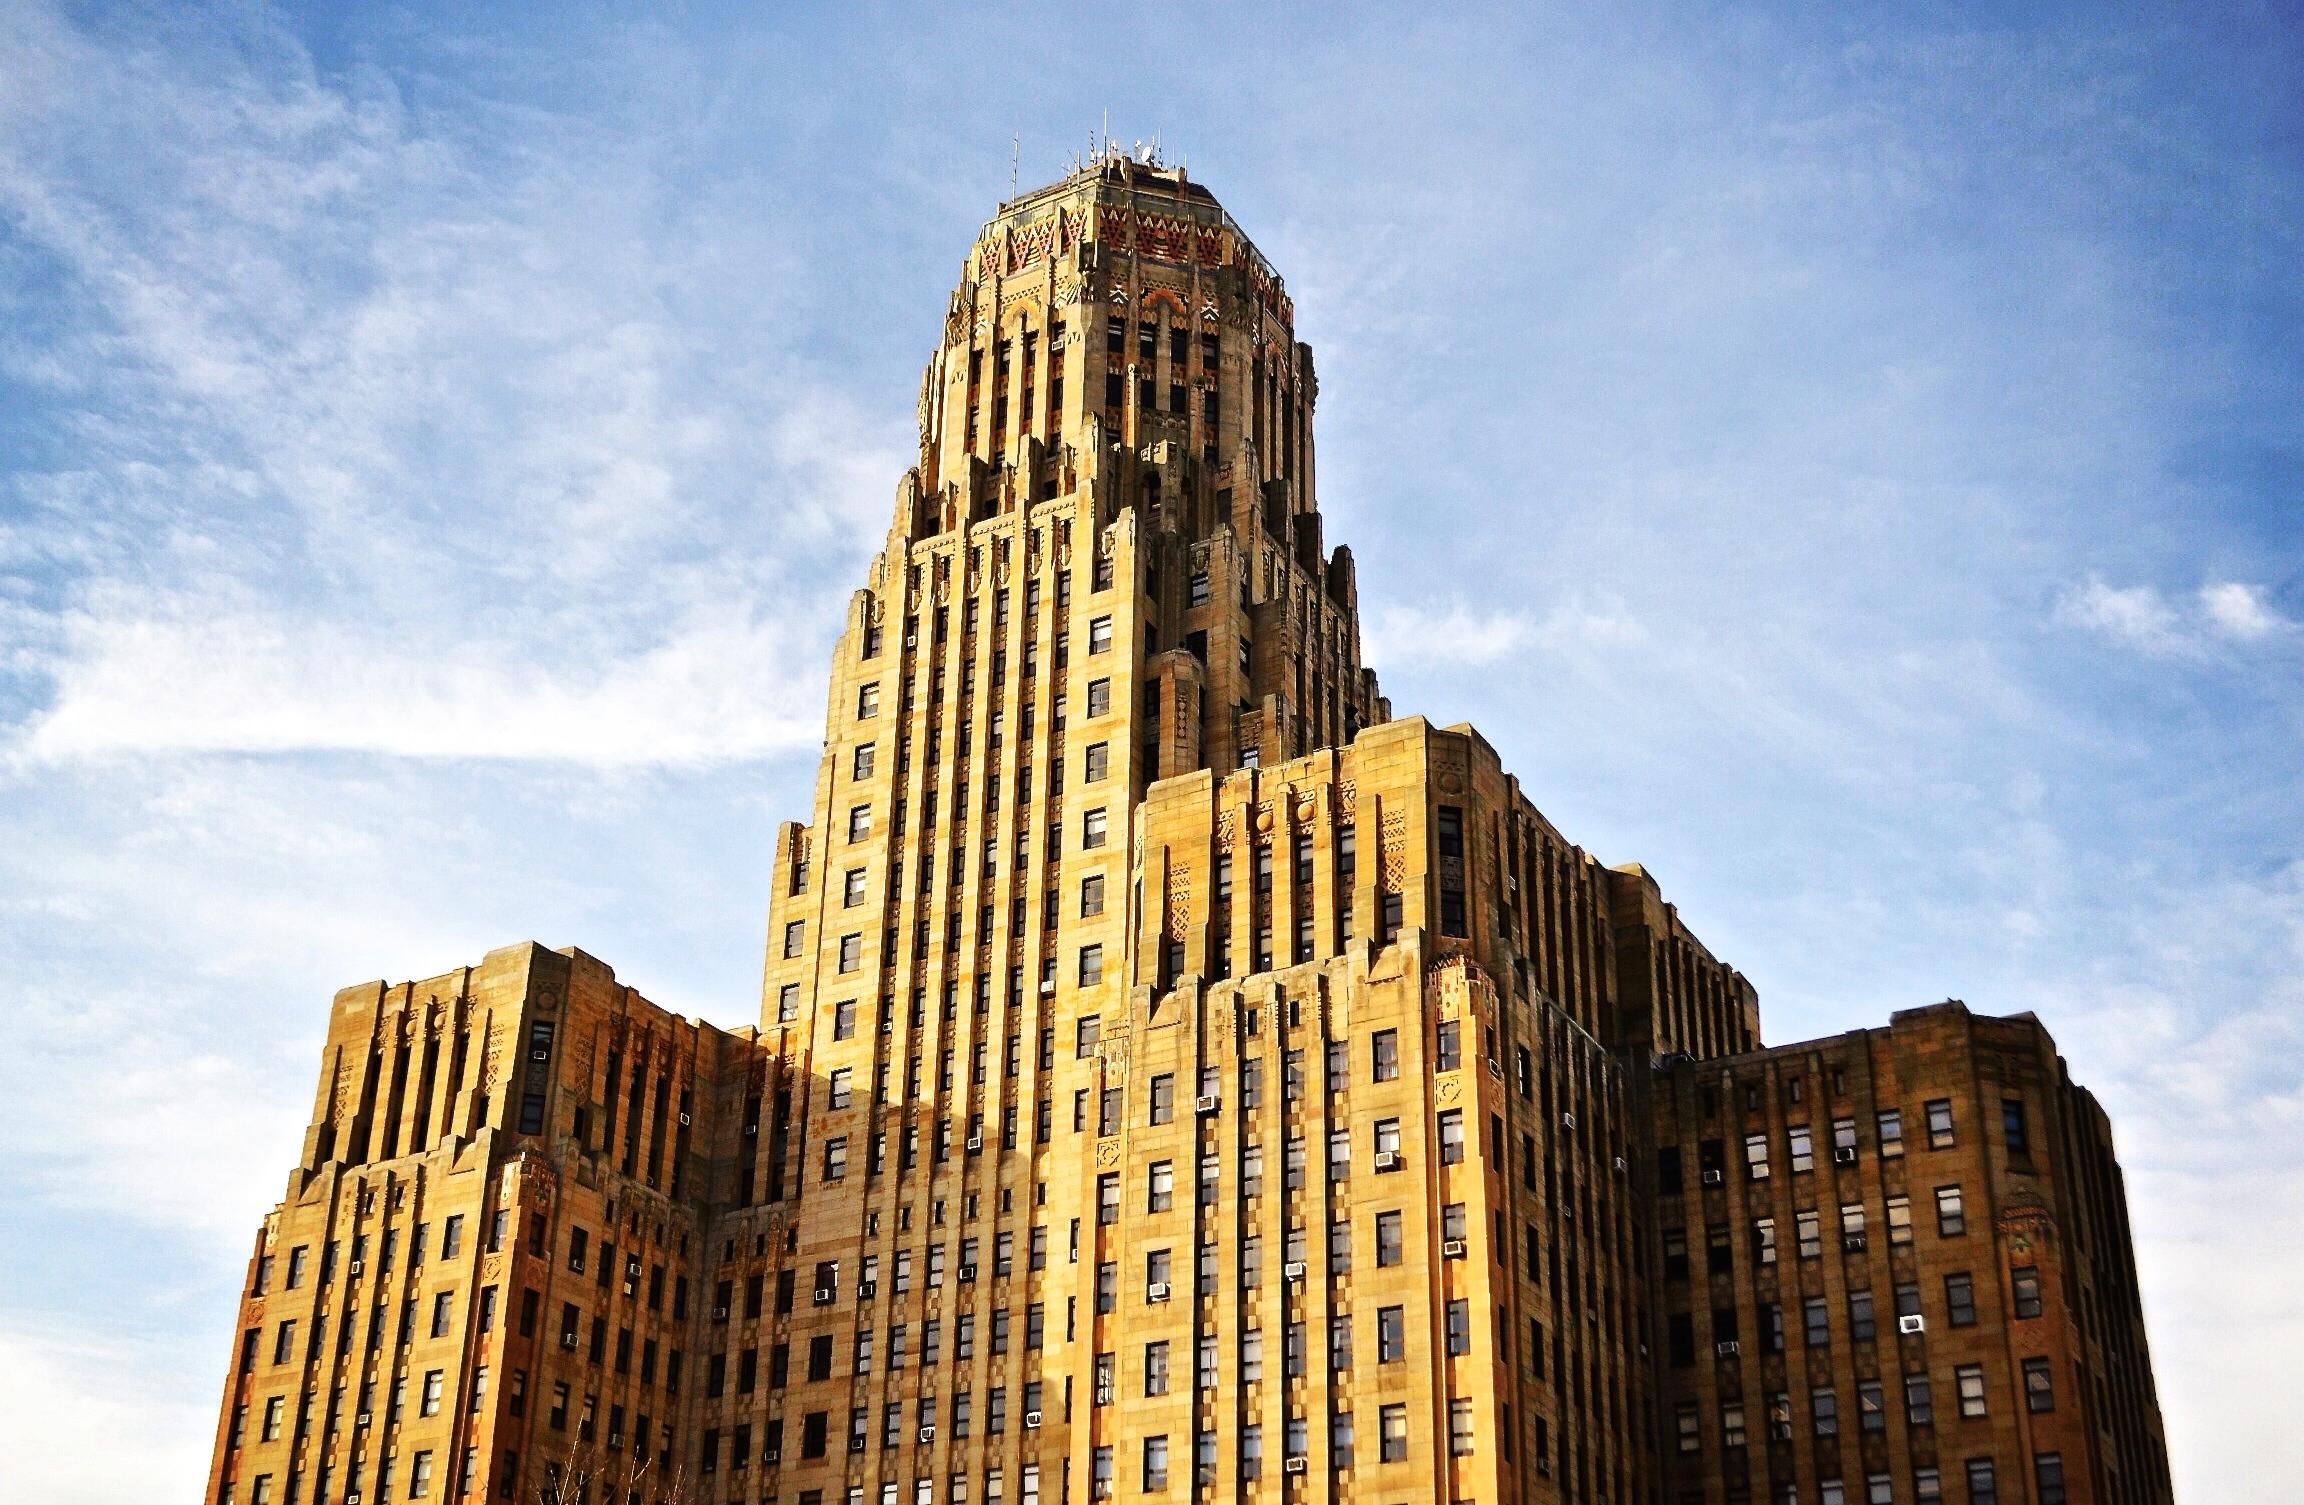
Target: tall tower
<point>1174,1077</point>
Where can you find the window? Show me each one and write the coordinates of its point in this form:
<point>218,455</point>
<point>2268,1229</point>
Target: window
<point>1092,829</point>
<point>1391,1334</point>
<point>859,822</point>
<point>1091,965</point>
<point>1871,1411</point>
<point>1891,1124</point>
<point>1099,697</point>
<point>1108,1198</point>
<point>1951,1222</point>
<point>1459,1427</point>
<point>1983,1484</point>
<point>1155,1463</point>
<point>1899,1220</point>
<point>2012,1130</point>
<point>1384,1055</point>
<point>1092,895</point>
<point>2025,1282</point>
<point>1164,1097</point>
<point>1756,1156</point>
<point>1808,1228</point>
<point>1452,1137</point>
<point>2048,1475</point>
<point>1388,1239</point>
<point>1764,1241</point>
<point>1860,1323</point>
<point>2039,1386</point>
<point>1448,1051</point>
<point>1824,1412</point>
<point>860,766</point>
<point>1968,1381</point>
<point>1939,1114</point>
<point>1096,763</point>
<point>867,700</point>
<point>1919,1408</point>
<point>851,951</point>
<point>1459,1326</point>
<point>1100,635</point>
<point>1161,1188</point>
<point>844,1020</point>
<point>1961,1301</point>
<point>835,1159</point>
<point>1816,1321</point>
<point>1803,1156</point>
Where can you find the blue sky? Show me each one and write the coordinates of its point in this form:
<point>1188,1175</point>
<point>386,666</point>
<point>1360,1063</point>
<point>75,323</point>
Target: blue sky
<point>1850,463</point>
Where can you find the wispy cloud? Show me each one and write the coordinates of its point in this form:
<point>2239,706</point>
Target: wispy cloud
<point>2142,618</point>
<point>1458,637</point>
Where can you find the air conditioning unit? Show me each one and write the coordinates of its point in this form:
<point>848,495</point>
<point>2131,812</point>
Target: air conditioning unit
<point>856,1443</point>
<point>355,1267</point>
<point>684,1120</point>
<point>1205,1103</point>
<point>1387,1160</point>
<point>365,1418</point>
<point>1031,1421</point>
<point>352,1498</point>
<point>1293,1465</point>
<point>568,1341</point>
<point>975,1142</point>
<point>967,1272</point>
<point>1727,1348</point>
<point>867,1289</point>
<point>1912,1324</point>
<point>1711,1178</point>
<point>1622,1165</point>
<point>771,1455</point>
<point>1567,1120</point>
<point>1048,988</point>
<point>751,1130</point>
<point>1293,1270</point>
<point>541,1053</point>
<point>630,1289</point>
<point>825,1296</point>
<point>1851,1241</point>
<point>1780,1430</point>
<point>1495,1068</point>
<point>1844,1154</point>
<point>719,1314</point>
<point>1156,1291</point>
<point>927,1434</point>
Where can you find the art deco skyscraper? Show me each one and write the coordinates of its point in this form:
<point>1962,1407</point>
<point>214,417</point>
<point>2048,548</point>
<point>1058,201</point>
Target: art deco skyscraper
<point>1174,1077</point>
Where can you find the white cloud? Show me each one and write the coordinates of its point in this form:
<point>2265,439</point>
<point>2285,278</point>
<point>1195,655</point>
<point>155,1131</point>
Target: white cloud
<point>87,1419</point>
<point>2239,611</point>
<point>1459,637</point>
<point>2136,615</point>
<point>2141,617</point>
<point>715,689</point>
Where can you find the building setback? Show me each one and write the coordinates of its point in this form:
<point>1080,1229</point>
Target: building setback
<point>1174,1076</point>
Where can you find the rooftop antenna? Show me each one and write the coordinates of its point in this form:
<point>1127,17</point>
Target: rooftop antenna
<point>1015,150</point>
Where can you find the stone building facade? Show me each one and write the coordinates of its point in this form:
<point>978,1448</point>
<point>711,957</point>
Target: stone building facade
<point>1174,1076</point>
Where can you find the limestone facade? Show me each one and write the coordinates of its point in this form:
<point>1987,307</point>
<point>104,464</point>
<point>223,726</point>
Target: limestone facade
<point>1174,1077</point>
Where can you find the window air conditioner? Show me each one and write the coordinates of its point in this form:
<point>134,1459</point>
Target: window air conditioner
<point>1567,1120</point>
<point>967,1272</point>
<point>1031,1421</point>
<point>1387,1160</point>
<point>1293,1466</point>
<point>1711,1178</point>
<point>1727,1348</point>
<point>1293,1270</point>
<point>365,1418</point>
<point>1621,1165</point>
<point>1205,1103</point>
<point>684,1121</point>
<point>1495,1068</point>
<point>1912,1324</point>
<point>855,1443</point>
<point>825,1295</point>
<point>751,1130</point>
<point>1453,1249</point>
<point>1844,1154</point>
<point>568,1341</point>
<point>1851,1241</point>
<point>927,1434</point>
<point>867,1289</point>
<point>771,1455</point>
<point>355,1267</point>
<point>541,1053</point>
<point>1156,1291</point>
<point>975,1142</point>
<point>1048,988</point>
<point>719,1314</point>
<point>630,1289</point>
